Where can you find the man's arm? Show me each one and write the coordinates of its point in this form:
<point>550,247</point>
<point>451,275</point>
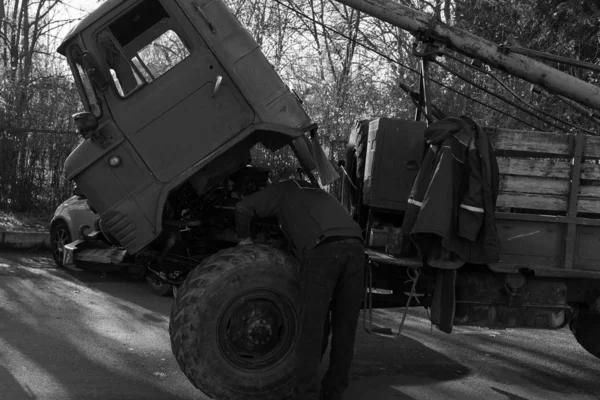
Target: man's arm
<point>264,203</point>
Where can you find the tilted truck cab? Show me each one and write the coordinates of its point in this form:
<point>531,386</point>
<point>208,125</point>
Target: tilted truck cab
<point>176,94</point>
<point>169,87</point>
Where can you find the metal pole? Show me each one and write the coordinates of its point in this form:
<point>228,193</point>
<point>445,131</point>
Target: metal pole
<point>478,48</point>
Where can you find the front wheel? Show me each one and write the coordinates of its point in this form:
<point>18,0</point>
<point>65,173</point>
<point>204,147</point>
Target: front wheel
<point>234,322</point>
<point>59,237</point>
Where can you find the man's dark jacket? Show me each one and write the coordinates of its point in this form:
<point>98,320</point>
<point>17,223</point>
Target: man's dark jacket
<point>306,214</point>
<point>450,216</point>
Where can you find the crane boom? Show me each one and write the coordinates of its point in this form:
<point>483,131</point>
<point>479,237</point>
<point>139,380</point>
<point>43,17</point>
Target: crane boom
<point>482,49</point>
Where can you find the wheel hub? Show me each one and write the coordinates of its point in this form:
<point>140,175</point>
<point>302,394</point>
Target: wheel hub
<point>256,329</point>
<point>260,332</point>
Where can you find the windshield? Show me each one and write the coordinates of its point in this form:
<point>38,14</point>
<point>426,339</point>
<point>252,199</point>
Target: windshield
<point>141,46</point>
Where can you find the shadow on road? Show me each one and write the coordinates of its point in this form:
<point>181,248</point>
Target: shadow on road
<point>130,302</point>
<point>406,357</point>
<point>69,341</point>
<point>8,384</point>
<point>548,359</point>
<point>385,368</point>
<point>509,396</point>
<point>75,331</point>
<point>130,288</point>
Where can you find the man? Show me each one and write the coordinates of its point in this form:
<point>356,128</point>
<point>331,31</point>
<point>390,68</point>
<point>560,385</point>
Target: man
<point>330,246</point>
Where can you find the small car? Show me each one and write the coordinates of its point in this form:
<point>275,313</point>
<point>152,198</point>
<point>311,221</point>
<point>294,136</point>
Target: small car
<point>65,224</point>
<point>65,228</point>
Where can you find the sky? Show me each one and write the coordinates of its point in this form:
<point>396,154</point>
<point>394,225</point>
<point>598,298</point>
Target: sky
<point>75,10</point>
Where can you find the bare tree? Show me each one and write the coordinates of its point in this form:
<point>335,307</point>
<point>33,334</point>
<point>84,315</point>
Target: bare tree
<point>28,68</point>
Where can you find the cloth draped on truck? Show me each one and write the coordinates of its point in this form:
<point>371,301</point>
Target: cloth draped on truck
<point>450,215</point>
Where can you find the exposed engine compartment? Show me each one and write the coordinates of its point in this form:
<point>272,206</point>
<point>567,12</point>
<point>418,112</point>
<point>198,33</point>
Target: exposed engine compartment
<point>205,223</point>
<point>198,225</point>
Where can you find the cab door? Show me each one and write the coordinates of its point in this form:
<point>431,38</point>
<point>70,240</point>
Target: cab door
<point>172,99</point>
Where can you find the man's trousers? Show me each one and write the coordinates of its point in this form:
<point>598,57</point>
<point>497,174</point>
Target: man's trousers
<point>332,272</point>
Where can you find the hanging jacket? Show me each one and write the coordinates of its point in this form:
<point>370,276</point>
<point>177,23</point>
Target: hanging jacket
<point>450,216</point>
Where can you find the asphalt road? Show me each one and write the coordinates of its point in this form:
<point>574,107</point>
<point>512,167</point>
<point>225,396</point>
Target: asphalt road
<point>84,336</point>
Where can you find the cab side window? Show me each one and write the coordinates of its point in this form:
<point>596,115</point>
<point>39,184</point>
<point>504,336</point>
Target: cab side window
<point>161,55</point>
<point>141,46</point>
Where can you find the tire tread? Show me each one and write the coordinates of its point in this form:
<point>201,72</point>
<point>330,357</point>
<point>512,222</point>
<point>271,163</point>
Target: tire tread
<point>188,301</point>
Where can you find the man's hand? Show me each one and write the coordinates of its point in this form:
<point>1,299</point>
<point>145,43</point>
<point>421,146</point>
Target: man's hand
<point>245,241</point>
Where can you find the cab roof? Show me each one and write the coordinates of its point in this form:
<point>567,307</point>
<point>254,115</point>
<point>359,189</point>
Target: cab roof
<point>88,20</point>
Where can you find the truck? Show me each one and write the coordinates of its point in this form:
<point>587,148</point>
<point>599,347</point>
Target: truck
<point>177,93</point>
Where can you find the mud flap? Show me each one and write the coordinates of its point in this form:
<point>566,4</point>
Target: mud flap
<point>443,305</point>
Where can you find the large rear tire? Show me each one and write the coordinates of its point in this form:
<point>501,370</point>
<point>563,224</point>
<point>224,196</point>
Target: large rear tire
<point>234,322</point>
<point>586,329</point>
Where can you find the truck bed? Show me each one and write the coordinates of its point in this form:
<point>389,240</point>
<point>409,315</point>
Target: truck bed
<point>548,208</point>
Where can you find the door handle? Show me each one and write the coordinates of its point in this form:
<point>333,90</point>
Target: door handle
<point>217,85</point>
<point>212,28</point>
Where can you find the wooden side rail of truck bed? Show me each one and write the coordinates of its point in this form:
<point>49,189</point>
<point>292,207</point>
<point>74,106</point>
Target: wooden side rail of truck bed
<point>548,209</point>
